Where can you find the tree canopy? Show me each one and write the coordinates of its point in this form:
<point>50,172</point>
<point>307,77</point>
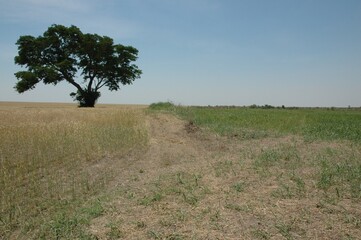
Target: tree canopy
<point>65,54</point>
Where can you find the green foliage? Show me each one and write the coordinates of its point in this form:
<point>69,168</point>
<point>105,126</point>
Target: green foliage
<point>161,106</point>
<point>62,53</point>
<point>266,106</point>
<point>85,98</point>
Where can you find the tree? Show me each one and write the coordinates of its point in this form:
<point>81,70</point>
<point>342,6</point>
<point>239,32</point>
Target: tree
<point>65,53</point>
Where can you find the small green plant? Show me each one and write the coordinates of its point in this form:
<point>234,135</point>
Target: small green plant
<point>180,215</point>
<point>216,216</point>
<point>114,232</point>
<point>94,210</point>
<point>283,191</point>
<point>261,234</point>
<point>154,197</point>
<point>154,234</point>
<point>239,186</point>
<point>188,187</point>
<point>300,185</point>
<point>237,207</point>
<point>344,176</point>
<point>223,168</point>
<point>66,225</point>
<point>174,236</point>
<point>285,230</point>
<point>268,158</point>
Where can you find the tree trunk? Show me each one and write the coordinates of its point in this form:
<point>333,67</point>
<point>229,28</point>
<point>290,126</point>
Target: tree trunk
<point>88,99</point>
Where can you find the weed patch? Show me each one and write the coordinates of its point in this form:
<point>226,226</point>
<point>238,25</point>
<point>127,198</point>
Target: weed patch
<point>343,176</point>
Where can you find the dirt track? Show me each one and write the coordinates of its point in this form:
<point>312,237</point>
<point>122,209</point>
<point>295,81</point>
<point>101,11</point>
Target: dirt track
<point>175,146</point>
<point>189,184</point>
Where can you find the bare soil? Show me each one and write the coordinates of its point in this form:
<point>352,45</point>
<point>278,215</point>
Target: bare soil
<point>192,184</point>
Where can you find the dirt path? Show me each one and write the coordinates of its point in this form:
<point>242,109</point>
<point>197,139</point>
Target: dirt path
<point>190,184</point>
<point>172,148</point>
<point>175,146</point>
<point>176,188</point>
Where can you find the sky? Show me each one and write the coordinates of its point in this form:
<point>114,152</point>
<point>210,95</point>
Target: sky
<point>304,53</point>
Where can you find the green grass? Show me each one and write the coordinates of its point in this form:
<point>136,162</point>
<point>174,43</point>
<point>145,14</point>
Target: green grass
<point>338,170</point>
<point>255,123</point>
<point>285,155</point>
<point>339,173</point>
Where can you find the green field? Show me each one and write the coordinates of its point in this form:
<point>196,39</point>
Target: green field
<point>175,172</point>
<point>312,124</point>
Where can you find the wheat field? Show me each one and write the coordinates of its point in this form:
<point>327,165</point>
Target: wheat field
<point>51,158</point>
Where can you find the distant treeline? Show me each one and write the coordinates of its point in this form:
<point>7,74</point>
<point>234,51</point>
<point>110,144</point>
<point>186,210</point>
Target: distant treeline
<point>267,106</point>
<point>169,104</point>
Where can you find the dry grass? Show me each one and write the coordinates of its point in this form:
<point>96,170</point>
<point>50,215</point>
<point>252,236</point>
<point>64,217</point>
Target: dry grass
<point>57,182</point>
<point>54,157</point>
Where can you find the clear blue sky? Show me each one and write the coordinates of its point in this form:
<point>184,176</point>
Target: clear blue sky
<point>207,52</point>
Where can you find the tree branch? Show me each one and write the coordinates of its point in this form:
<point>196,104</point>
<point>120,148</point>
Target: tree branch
<point>99,84</point>
<point>71,81</point>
